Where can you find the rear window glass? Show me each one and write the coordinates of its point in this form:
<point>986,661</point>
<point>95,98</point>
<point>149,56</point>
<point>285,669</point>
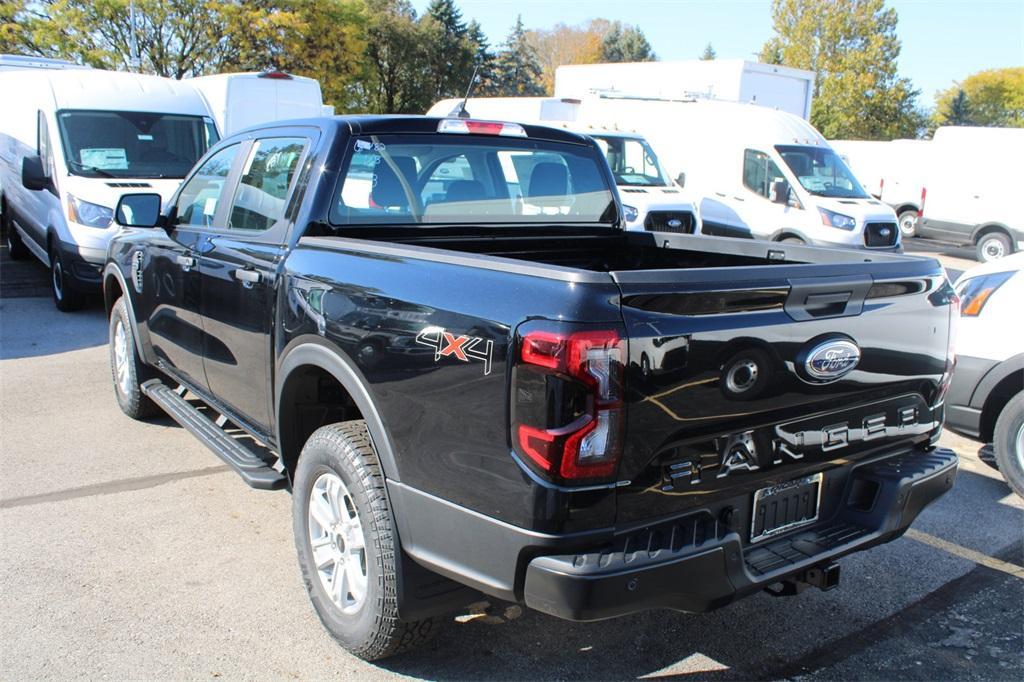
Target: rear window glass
<point>435,179</point>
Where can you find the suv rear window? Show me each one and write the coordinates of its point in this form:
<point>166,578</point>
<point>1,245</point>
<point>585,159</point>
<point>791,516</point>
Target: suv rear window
<point>445,179</point>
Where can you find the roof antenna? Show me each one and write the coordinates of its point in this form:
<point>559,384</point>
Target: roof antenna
<point>461,112</point>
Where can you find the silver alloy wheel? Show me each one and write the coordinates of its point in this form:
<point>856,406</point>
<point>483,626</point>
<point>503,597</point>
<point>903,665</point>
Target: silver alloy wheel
<point>1019,445</point>
<point>339,546</point>
<point>908,224</point>
<point>992,249</point>
<point>121,358</point>
<point>742,376</point>
<point>58,278</point>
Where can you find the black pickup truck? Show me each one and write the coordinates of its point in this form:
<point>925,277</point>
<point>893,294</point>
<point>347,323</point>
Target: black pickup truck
<point>437,334</point>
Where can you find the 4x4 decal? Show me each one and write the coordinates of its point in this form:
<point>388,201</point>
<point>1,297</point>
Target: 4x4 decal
<point>461,347</point>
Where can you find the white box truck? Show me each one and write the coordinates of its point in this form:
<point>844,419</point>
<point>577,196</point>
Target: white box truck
<point>651,200</point>
<point>730,80</point>
<point>970,190</point>
<point>761,173</point>
<point>243,100</point>
<point>72,141</point>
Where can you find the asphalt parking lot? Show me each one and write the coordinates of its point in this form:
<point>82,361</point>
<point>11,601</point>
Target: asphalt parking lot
<point>127,550</point>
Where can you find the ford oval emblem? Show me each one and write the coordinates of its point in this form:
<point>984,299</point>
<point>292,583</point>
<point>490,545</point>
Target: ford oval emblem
<point>675,222</point>
<point>885,232</point>
<point>830,359</point>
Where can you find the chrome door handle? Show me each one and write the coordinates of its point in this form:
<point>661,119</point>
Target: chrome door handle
<point>186,262</point>
<point>247,277</point>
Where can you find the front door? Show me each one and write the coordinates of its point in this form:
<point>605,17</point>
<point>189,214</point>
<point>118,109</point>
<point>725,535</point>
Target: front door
<point>170,291</point>
<point>238,266</point>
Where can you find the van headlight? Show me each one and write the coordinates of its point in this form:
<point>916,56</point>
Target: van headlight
<point>631,213</point>
<point>833,219</point>
<point>89,214</point>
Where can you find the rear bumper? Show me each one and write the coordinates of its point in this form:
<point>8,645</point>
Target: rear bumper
<point>693,565</point>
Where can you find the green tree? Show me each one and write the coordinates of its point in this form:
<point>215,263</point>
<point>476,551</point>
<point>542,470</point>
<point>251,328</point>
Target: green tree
<point>708,54</point>
<point>484,59</point>
<point>396,54</point>
<point>623,43</point>
<point>995,98</point>
<point>15,38</point>
<point>852,48</point>
<point>450,49</point>
<point>517,71</point>
<point>564,44</point>
<point>959,111</point>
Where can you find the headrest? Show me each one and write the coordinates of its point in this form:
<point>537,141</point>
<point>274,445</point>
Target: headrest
<point>548,180</point>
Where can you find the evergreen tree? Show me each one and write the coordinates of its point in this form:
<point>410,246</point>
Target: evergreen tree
<point>959,113</point>
<point>450,49</point>
<point>483,59</point>
<point>518,72</point>
<point>994,97</point>
<point>626,44</point>
<point>708,54</point>
<point>397,59</point>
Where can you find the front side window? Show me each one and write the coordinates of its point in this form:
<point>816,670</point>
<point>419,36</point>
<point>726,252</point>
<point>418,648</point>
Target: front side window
<point>632,161</point>
<point>821,172</point>
<point>200,197</point>
<point>266,178</point>
<point>759,172</point>
<point>449,179</point>
<point>132,144</point>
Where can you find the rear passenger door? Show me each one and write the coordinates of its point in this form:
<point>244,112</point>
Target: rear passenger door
<point>238,269</point>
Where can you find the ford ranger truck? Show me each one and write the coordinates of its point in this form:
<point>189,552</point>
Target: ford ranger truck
<point>438,336</point>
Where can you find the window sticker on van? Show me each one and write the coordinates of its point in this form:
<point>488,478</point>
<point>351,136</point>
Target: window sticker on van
<point>104,158</point>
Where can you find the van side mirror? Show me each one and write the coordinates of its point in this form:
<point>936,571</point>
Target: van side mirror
<point>681,179</point>
<point>33,176</point>
<point>138,210</point>
<point>780,192</point>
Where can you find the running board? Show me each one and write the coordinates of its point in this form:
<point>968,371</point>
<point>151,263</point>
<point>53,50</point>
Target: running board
<point>253,470</point>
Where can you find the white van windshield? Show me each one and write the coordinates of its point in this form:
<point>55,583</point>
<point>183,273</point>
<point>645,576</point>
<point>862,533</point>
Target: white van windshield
<point>632,161</point>
<point>132,144</point>
<point>459,179</point>
<point>821,172</point>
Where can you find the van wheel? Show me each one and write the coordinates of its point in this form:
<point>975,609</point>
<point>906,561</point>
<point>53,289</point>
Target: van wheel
<point>993,246</point>
<point>348,550</point>
<point>126,368</point>
<point>792,240</point>
<point>1008,442</point>
<point>65,296</point>
<point>16,248</point>
<point>908,223</point>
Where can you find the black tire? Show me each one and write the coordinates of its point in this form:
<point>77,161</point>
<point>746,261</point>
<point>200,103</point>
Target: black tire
<point>907,221</point>
<point>16,248</point>
<point>65,296</point>
<point>374,631</point>
<point>132,401</point>
<point>993,246</point>
<point>1008,442</point>
<point>792,240</point>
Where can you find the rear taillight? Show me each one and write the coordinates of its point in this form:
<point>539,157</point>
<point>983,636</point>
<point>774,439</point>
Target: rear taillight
<point>567,413</point>
<point>465,126</point>
<point>924,195</point>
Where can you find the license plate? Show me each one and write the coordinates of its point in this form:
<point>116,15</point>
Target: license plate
<point>784,507</point>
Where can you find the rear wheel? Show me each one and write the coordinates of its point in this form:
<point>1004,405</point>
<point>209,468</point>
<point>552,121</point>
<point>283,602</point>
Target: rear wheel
<point>993,246</point>
<point>65,296</point>
<point>348,550</point>
<point>908,223</point>
<point>1008,443</point>
<point>15,247</point>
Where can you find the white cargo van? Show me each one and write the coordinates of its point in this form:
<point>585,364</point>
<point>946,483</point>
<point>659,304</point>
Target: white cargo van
<point>242,100</point>
<point>73,141</point>
<point>652,201</point>
<point>760,173</point>
<point>970,190</point>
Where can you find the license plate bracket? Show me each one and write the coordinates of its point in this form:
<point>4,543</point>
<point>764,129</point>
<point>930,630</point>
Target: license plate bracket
<point>780,508</point>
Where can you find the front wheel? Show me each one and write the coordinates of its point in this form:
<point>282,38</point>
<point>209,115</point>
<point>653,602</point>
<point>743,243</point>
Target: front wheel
<point>65,296</point>
<point>908,223</point>
<point>126,368</point>
<point>348,550</point>
<point>993,246</point>
<point>1008,443</point>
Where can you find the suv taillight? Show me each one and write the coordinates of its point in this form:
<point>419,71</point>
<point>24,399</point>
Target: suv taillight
<point>567,409</point>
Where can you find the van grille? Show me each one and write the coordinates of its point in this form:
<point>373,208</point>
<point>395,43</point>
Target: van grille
<point>680,222</point>
<point>878,235</point>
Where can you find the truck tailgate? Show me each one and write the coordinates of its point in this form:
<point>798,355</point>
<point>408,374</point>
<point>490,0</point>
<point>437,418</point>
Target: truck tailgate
<point>742,378</point>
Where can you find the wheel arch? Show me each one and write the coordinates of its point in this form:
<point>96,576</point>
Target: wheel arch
<point>312,355</point>
<point>987,228</point>
<point>998,388</point>
<point>903,208</point>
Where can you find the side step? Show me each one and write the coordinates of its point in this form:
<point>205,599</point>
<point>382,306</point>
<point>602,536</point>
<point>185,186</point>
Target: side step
<point>253,470</point>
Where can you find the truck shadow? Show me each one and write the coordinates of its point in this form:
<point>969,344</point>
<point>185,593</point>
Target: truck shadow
<point>33,327</point>
<point>760,637</point>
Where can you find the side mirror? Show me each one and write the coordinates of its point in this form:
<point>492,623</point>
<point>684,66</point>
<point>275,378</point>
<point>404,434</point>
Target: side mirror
<point>138,210</point>
<point>780,192</point>
<point>681,179</point>
<point>32,174</point>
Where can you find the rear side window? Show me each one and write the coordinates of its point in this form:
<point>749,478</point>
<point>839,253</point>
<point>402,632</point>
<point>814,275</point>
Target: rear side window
<point>759,172</point>
<point>267,176</point>
<point>200,197</point>
<point>438,179</point>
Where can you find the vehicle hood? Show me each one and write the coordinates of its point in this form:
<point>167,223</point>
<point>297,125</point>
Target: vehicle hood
<point>656,198</point>
<point>106,191</point>
<point>1014,261</point>
<point>862,210</point>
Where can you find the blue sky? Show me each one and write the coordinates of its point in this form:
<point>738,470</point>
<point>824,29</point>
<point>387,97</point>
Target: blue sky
<point>943,41</point>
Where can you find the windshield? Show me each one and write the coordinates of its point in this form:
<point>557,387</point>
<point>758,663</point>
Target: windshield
<point>632,161</point>
<point>821,172</point>
<point>444,178</point>
<point>131,144</point>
